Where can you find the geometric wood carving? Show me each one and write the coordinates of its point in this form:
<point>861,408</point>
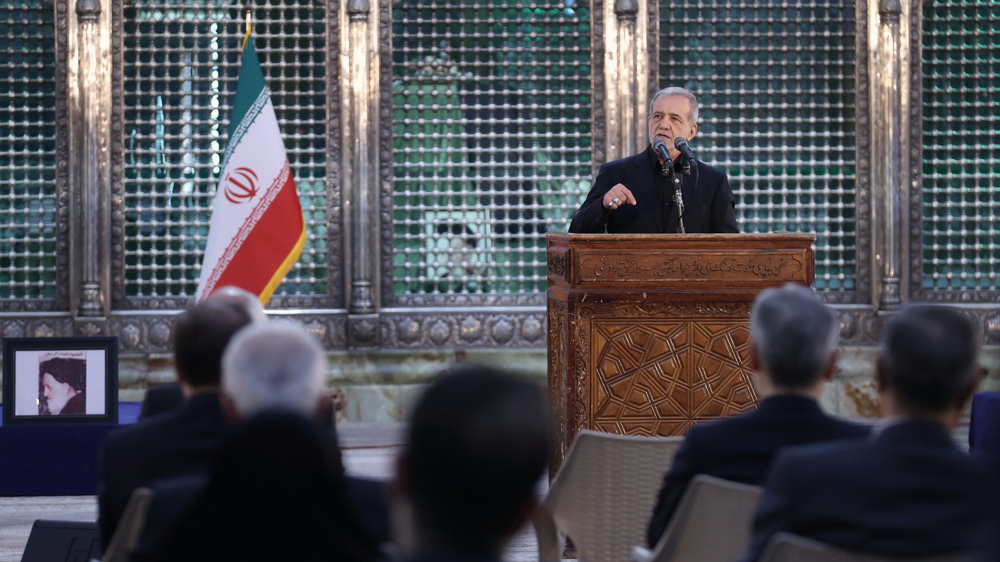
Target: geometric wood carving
<point>660,377</point>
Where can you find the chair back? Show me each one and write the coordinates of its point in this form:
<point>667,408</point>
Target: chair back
<point>129,527</point>
<point>787,547</point>
<point>712,523</point>
<point>603,496</point>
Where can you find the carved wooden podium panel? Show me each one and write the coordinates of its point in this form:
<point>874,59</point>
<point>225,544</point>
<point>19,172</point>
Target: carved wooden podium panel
<point>648,334</point>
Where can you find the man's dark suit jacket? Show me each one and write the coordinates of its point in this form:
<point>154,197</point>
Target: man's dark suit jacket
<point>905,491</point>
<point>174,497</point>
<point>742,447</point>
<point>173,444</point>
<point>445,555</point>
<point>708,201</point>
<point>161,399</point>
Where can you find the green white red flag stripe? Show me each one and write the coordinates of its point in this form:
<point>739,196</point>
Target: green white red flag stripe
<point>257,230</point>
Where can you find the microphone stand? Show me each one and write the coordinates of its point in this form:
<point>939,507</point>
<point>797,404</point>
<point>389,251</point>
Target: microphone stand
<point>678,199</point>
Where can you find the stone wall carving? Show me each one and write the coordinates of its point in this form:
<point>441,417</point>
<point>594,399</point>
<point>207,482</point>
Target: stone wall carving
<point>117,143</point>
<point>18,326</point>
<point>463,328</point>
<point>862,172</point>
<point>150,333</point>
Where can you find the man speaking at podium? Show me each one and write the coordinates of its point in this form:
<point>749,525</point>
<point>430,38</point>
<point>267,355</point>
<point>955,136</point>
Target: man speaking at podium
<point>638,194</point>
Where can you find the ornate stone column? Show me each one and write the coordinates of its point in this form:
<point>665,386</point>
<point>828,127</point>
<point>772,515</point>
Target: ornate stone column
<point>359,84</point>
<point>626,76</point>
<point>889,76</point>
<point>89,90</point>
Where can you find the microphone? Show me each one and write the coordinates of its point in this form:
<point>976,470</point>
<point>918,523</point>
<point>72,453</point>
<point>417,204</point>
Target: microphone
<point>681,144</point>
<point>660,146</point>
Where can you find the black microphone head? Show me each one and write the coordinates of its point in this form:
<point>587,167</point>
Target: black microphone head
<point>660,146</point>
<point>681,144</point>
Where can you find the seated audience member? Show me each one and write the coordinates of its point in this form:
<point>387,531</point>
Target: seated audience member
<point>477,447</point>
<point>273,366</point>
<point>280,365</point>
<point>277,493</point>
<point>907,490</point>
<point>793,352</point>
<point>168,397</point>
<point>181,442</point>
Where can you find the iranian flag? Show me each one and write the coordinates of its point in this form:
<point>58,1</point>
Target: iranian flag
<point>257,230</point>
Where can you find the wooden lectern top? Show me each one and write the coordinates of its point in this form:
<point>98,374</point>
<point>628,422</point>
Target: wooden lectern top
<point>729,263</point>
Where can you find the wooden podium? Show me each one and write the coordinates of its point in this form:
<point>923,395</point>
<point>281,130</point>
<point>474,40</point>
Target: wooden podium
<point>648,333</point>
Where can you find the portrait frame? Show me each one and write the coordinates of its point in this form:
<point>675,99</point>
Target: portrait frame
<point>83,390</point>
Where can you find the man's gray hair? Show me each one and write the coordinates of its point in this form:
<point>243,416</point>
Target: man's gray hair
<point>273,366</point>
<point>675,91</point>
<point>795,335</point>
<point>249,301</point>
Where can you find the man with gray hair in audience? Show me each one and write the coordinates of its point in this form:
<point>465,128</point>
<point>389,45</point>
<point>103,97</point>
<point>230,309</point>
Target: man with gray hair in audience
<point>268,366</point>
<point>281,366</point>
<point>273,366</point>
<point>793,353</point>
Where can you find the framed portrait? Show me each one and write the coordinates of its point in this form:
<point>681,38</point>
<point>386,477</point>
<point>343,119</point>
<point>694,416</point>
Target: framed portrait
<point>60,381</point>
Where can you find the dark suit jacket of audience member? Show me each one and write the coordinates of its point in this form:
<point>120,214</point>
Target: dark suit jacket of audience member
<point>173,444</point>
<point>444,555</point>
<point>906,491</point>
<point>742,447</point>
<point>276,492</point>
<point>173,497</point>
<point>161,399</point>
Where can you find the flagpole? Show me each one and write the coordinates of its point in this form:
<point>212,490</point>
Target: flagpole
<point>246,37</point>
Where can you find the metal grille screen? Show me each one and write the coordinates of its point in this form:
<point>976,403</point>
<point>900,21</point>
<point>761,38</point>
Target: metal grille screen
<point>27,150</point>
<point>775,81</point>
<point>491,136</point>
<point>961,89</point>
<point>182,59</point>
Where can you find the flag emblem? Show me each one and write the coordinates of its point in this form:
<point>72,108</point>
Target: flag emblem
<point>241,185</point>
<point>257,230</point>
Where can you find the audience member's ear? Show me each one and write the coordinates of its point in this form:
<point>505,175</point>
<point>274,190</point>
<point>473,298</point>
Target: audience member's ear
<point>881,383</point>
<point>761,383</point>
<point>397,485</point>
<point>228,408</point>
<point>754,358</point>
<point>324,413</point>
<point>831,368</point>
<point>970,389</point>
<point>180,376</point>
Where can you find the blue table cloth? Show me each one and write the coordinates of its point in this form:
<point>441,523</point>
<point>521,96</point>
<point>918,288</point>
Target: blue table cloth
<point>54,460</point>
<point>984,424</point>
